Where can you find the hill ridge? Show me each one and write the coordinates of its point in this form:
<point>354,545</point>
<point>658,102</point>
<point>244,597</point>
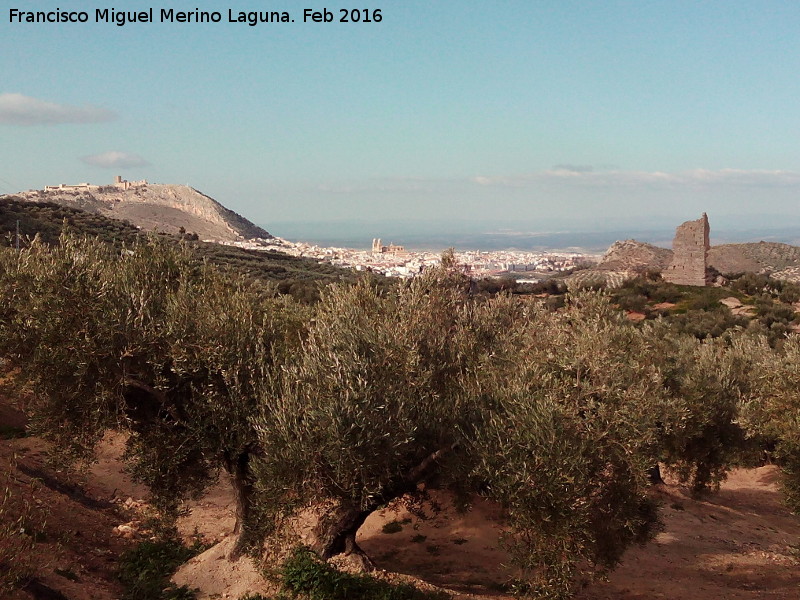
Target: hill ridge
<point>781,261</point>
<point>168,208</point>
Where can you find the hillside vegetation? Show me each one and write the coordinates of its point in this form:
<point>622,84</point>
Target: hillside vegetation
<point>48,220</point>
<point>301,277</point>
<point>558,412</point>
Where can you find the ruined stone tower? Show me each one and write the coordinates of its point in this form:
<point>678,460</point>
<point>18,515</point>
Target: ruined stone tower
<point>689,253</point>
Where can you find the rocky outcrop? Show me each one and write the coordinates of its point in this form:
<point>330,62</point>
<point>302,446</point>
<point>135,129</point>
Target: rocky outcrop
<point>759,257</point>
<point>687,265</point>
<point>157,207</point>
<point>633,256</point>
<point>689,254</point>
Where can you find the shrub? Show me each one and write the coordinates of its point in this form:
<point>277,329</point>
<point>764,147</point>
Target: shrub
<point>304,575</point>
<point>774,416</point>
<point>145,570</point>
<point>708,380</point>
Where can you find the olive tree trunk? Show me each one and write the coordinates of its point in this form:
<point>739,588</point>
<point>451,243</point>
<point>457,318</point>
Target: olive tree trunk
<point>335,534</point>
<point>238,469</point>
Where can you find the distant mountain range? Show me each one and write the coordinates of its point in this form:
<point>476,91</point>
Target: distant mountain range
<point>148,206</point>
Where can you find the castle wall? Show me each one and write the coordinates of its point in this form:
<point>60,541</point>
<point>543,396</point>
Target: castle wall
<point>690,254</point>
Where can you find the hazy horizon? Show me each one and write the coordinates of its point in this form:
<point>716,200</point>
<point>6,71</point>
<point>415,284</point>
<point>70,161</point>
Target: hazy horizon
<point>475,235</point>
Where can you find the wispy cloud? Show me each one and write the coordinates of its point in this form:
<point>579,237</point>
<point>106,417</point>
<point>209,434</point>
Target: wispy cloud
<point>570,178</point>
<point>586,176</point>
<point>115,160</point>
<point>17,109</point>
<point>745,177</point>
<point>574,168</point>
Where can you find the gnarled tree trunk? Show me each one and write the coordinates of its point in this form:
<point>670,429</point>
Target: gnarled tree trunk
<point>238,469</point>
<point>335,533</point>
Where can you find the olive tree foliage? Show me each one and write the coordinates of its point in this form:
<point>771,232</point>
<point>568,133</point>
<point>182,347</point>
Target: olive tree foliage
<point>543,412</point>
<point>375,395</point>
<point>710,380</point>
<point>569,442</point>
<point>775,415</point>
<point>150,342</point>
<point>384,395</point>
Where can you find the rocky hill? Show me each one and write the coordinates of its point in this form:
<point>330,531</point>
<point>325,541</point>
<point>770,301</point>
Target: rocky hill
<point>630,255</point>
<point>758,257</point>
<point>626,258</point>
<point>165,208</point>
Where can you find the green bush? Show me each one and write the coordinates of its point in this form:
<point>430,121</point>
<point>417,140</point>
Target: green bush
<point>751,283</point>
<point>305,576</point>
<point>790,293</point>
<point>145,571</point>
<point>774,415</point>
<point>705,323</point>
<point>631,299</point>
<point>708,379</point>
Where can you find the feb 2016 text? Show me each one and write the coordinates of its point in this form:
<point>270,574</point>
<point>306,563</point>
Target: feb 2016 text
<point>170,15</point>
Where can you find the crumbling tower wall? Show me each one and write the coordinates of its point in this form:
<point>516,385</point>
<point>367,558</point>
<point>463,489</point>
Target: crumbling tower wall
<point>689,253</point>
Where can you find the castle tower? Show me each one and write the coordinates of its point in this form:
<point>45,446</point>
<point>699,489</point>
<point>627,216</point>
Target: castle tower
<point>689,253</point>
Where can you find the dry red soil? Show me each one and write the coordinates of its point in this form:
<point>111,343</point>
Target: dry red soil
<point>738,544</point>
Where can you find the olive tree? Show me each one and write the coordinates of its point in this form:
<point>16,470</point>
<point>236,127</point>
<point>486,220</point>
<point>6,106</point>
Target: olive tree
<point>542,412</point>
<point>385,392</point>
<point>568,445</point>
<point>710,380</point>
<point>774,416</point>
<point>151,342</point>
<point>371,396</point>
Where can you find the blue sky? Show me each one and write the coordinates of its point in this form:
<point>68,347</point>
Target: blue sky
<point>548,113</point>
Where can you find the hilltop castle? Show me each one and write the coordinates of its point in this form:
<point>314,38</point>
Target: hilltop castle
<point>119,182</point>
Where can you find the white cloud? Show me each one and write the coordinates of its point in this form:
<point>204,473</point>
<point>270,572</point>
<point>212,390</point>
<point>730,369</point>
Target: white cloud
<point>115,160</point>
<point>618,178</point>
<point>574,168</point>
<point>745,177</point>
<point>16,109</point>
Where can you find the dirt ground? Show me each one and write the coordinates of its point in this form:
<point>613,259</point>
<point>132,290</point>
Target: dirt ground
<point>738,544</point>
<point>76,547</point>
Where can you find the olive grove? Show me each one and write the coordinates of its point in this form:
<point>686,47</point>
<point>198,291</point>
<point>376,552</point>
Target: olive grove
<point>376,395</point>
